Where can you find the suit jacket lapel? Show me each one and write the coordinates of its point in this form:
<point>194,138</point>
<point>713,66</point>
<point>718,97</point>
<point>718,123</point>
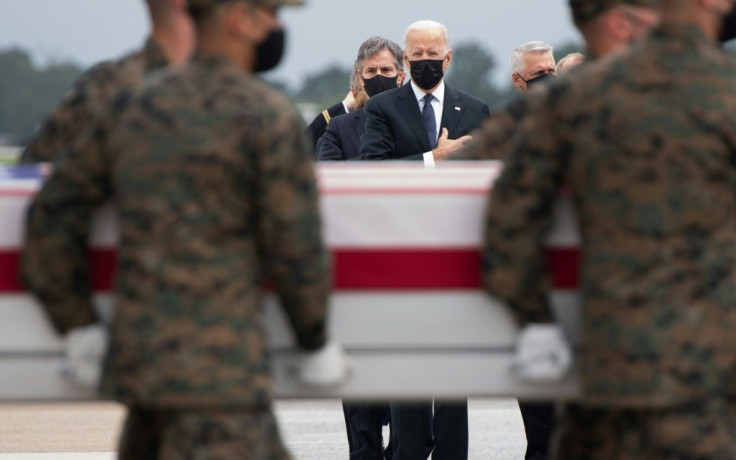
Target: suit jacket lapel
<point>359,123</point>
<point>407,105</point>
<point>450,113</point>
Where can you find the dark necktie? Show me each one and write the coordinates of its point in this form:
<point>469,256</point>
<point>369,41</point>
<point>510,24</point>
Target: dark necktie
<point>430,124</point>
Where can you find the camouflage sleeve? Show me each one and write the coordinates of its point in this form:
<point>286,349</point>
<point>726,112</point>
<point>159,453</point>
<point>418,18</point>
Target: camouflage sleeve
<point>69,119</point>
<point>518,216</point>
<point>494,139</point>
<point>290,228</point>
<point>53,261</point>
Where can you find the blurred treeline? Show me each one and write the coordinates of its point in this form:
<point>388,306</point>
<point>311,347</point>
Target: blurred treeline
<point>28,91</point>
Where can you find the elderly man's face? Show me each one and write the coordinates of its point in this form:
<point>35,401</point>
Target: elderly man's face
<point>535,65</point>
<point>424,44</point>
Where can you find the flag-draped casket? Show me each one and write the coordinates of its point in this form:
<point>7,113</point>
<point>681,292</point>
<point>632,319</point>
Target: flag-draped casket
<point>407,299</point>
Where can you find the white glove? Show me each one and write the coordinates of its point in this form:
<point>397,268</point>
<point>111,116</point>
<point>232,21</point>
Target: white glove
<point>542,353</point>
<point>85,348</point>
<point>328,366</point>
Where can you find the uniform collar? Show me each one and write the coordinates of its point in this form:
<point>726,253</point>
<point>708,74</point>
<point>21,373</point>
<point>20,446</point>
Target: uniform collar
<point>154,55</point>
<point>216,63</point>
<point>686,33</point>
<point>211,60</point>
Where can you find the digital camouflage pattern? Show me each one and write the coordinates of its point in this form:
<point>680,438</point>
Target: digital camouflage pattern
<point>89,98</point>
<point>649,434</point>
<point>209,172</point>
<point>494,139</point>
<point>208,434</point>
<point>585,10</point>
<point>649,155</point>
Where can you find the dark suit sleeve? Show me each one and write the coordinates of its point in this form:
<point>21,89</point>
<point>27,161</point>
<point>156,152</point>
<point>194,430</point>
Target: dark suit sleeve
<point>486,112</point>
<point>329,146</point>
<point>317,127</point>
<point>378,141</point>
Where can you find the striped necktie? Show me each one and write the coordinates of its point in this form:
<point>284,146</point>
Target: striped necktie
<point>430,124</point>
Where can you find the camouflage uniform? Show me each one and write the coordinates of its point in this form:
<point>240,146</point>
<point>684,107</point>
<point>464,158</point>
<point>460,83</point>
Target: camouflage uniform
<point>89,98</point>
<point>494,139</point>
<point>646,144</point>
<point>208,169</point>
<point>209,434</point>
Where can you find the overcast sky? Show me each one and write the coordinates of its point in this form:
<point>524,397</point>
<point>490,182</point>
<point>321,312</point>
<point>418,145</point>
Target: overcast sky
<point>320,33</point>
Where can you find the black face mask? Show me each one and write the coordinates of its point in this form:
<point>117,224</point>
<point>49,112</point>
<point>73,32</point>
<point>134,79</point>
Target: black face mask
<point>728,28</point>
<point>427,73</point>
<point>379,84</point>
<point>270,51</point>
<point>540,79</point>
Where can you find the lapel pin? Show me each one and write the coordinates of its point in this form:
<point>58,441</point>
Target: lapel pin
<point>457,108</point>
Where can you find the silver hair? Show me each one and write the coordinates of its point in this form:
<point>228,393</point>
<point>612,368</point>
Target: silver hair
<point>517,57</point>
<point>373,46</point>
<point>431,26</point>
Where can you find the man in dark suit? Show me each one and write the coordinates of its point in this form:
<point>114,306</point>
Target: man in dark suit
<point>379,67</point>
<point>319,124</point>
<point>341,140</point>
<point>425,120</point>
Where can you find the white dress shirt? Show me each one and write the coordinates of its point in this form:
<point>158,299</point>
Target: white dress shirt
<point>437,105</point>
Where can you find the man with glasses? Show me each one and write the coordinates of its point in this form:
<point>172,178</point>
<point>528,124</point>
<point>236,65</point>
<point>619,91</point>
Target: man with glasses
<point>607,26</point>
<point>532,63</point>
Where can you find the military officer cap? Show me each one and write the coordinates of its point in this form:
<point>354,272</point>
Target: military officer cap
<point>206,4</point>
<point>585,10</point>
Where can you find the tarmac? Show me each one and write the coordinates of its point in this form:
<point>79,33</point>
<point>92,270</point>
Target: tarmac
<point>313,430</point>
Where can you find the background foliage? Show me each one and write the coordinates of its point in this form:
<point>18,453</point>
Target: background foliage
<point>29,91</point>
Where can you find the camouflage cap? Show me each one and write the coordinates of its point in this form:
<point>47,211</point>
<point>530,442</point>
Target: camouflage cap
<point>205,4</point>
<point>585,10</point>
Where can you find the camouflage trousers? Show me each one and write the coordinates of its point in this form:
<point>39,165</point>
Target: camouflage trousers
<point>223,434</point>
<point>699,431</point>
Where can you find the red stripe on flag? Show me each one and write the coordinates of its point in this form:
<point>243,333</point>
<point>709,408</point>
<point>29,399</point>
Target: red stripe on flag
<point>9,276</point>
<point>104,262</point>
<point>406,269</point>
<point>370,269</point>
<point>433,268</point>
<point>563,267</point>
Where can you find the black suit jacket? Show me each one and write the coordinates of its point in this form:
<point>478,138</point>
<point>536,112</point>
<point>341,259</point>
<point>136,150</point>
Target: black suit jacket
<point>341,140</point>
<point>394,128</point>
<point>317,127</point>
